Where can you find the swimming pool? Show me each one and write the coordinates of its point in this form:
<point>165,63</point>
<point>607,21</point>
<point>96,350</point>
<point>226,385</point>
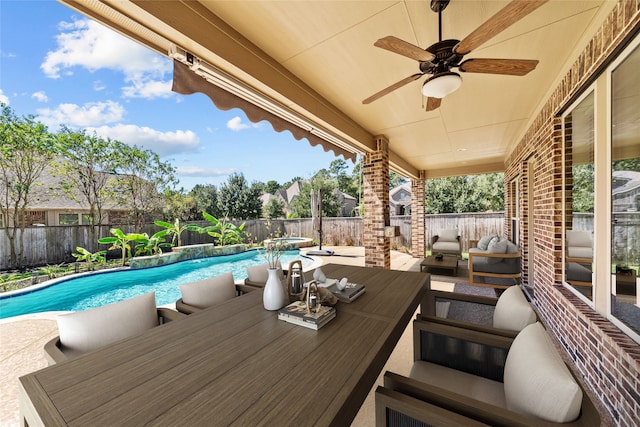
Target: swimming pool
<point>95,290</point>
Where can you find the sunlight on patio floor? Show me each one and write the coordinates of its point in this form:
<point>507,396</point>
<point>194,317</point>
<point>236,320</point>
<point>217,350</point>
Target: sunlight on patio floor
<point>22,340</point>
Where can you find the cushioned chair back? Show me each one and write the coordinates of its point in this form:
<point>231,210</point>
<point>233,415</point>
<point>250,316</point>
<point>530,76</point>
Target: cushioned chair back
<point>513,312</point>
<point>259,274</point>
<point>91,329</point>
<point>209,292</point>
<point>579,244</point>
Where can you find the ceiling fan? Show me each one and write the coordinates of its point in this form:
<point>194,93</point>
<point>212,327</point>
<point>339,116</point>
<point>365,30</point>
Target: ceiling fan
<point>438,59</point>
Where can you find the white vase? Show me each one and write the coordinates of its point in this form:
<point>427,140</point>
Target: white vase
<point>274,297</point>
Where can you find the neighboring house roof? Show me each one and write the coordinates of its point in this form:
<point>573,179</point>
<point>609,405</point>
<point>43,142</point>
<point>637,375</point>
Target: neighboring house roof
<point>400,195</point>
<point>624,181</point>
<point>626,191</point>
<point>48,195</point>
<point>294,189</point>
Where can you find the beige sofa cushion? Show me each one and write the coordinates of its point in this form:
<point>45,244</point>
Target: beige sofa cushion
<point>463,383</point>
<point>579,244</point>
<point>209,292</point>
<point>513,311</point>
<point>448,235</point>
<point>91,329</point>
<point>536,380</point>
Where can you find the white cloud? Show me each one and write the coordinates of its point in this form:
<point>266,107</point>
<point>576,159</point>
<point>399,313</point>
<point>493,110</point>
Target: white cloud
<point>4,98</point>
<point>162,143</point>
<point>236,124</point>
<point>99,86</point>
<point>149,89</point>
<point>40,96</point>
<point>203,172</point>
<point>90,114</point>
<point>87,44</point>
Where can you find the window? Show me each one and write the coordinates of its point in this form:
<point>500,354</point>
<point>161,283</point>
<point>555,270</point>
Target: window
<point>625,191</point>
<point>579,149</point>
<point>68,219</point>
<point>87,219</point>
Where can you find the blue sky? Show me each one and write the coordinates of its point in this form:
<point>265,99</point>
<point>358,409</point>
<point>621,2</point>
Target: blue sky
<point>63,68</point>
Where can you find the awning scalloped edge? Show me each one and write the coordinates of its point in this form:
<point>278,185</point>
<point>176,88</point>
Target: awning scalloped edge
<point>186,82</point>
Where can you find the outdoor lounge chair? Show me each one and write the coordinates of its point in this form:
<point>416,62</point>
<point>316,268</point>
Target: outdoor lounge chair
<point>197,296</point>
<point>447,242</point>
<point>257,275</point>
<point>88,330</point>
<point>470,378</point>
<point>506,315</point>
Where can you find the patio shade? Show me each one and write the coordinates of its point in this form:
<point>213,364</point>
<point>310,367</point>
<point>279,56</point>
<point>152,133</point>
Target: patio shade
<point>187,82</point>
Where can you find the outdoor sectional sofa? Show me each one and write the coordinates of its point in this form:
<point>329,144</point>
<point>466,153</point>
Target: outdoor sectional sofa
<point>494,257</point>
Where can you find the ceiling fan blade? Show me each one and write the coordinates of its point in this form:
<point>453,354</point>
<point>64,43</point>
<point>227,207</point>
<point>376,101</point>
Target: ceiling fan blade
<point>510,67</point>
<point>393,87</point>
<point>507,16</point>
<point>433,104</point>
<point>404,48</point>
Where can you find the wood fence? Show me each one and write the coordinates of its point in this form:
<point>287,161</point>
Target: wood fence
<point>54,244</point>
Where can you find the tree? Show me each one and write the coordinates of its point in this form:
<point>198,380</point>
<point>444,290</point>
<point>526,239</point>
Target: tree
<point>238,200</point>
<point>583,187</point>
<point>274,208</point>
<point>474,193</point>
<point>141,182</point>
<point>26,149</point>
<point>301,204</point>
<point>86,171</point>
<point>205,197</point>
<point>345,182</point>
<point>396,180</point>
<point>271,187</point>
<point>178,205</point>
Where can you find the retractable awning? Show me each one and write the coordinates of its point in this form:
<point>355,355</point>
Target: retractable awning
<point>187,82</point>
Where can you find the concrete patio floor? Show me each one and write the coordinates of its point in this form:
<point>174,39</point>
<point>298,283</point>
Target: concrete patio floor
<point>22,339</point>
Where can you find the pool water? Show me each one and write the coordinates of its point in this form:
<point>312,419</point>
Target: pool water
<point>98,289</point>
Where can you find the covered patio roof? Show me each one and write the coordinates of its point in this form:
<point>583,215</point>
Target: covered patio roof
<point>312,64</point>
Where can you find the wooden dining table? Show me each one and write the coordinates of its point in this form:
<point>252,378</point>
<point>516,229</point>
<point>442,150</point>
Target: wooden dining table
<point>234,364</point>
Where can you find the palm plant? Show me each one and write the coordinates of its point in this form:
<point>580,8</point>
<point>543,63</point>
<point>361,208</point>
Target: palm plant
<point>223,232</point>
<point>175,230</point>
<point>119,240</point>
<point>89,258</point>
<point>152,245</point>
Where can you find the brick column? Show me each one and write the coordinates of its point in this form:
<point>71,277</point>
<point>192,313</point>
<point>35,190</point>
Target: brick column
<point>418,217</point>
<point>375,167</point>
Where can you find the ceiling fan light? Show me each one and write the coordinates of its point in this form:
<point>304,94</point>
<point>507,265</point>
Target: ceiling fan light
<point>441,84</point>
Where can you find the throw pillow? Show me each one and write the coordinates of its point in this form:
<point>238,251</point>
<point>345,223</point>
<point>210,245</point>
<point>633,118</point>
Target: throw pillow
<point>209,292</point>
<point>536,380</point>
<point>91,329</point>
<point>513,311</point>
<point>496,246</point>
<point>449,235</point>
<point>483,243</point>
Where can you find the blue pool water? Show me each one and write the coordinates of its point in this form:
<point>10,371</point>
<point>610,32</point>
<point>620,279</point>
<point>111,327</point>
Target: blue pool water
<point>98,289</point>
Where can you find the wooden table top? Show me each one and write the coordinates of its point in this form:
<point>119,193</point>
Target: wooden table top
<point>447,261</point>
<point>235,364</point>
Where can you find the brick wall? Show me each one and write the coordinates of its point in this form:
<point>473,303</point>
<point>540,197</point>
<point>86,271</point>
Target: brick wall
<point>607,359</point>
<point>418,218</point>
<point>375,167</point>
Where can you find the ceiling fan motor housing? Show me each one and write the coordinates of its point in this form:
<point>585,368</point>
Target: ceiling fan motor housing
<point>439,5</point>
<point>444,57</point>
